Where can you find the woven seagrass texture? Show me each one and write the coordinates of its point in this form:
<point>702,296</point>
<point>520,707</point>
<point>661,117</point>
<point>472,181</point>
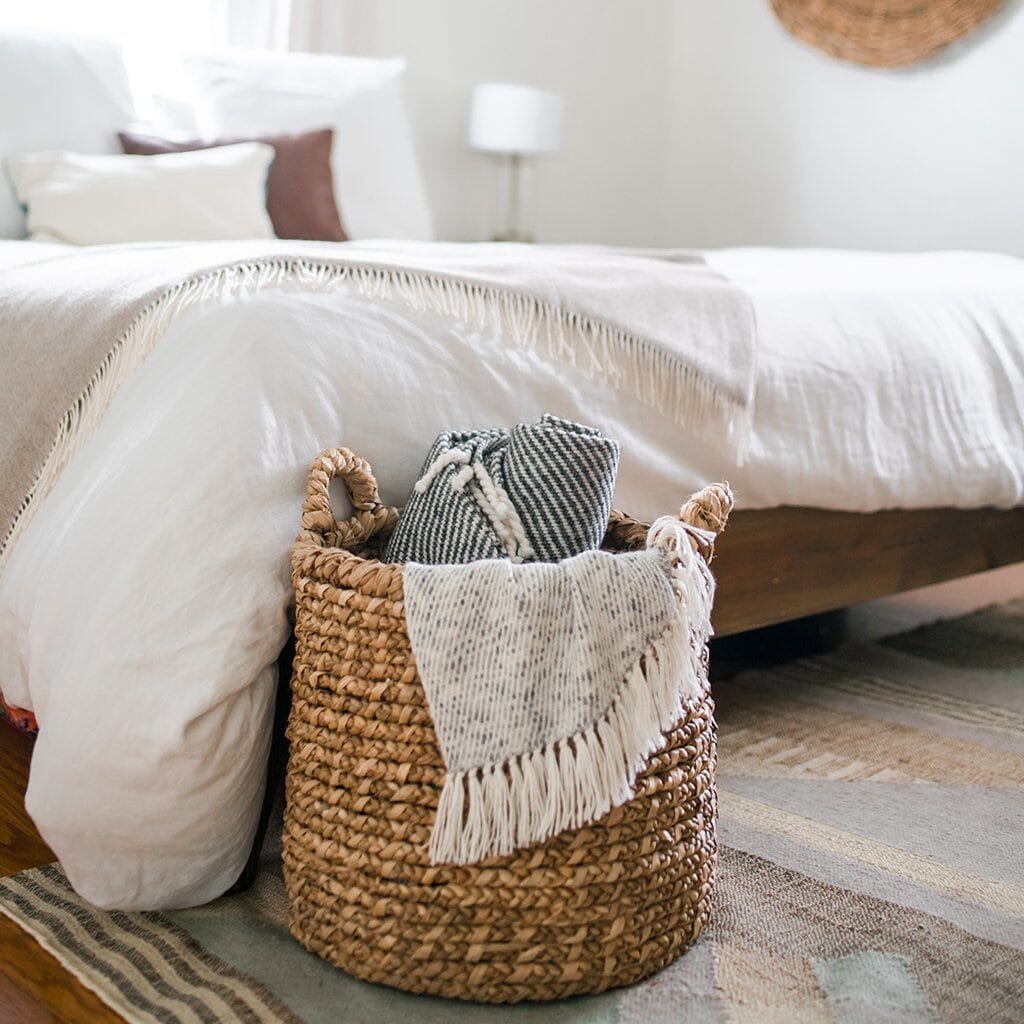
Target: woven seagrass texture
<point>587,910</point>
<point>882,33</point>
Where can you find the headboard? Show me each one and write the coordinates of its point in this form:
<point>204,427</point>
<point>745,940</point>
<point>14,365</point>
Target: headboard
<point>57,92</point>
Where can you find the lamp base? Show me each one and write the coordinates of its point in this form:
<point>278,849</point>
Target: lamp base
<point>514,236</point>
<point>512,230</point>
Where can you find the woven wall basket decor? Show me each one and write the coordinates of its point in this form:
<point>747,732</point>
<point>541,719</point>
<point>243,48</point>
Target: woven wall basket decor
<point>882,33</point>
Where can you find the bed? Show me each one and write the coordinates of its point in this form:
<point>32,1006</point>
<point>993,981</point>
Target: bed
<point>869,421</point>
<point>817,548</point>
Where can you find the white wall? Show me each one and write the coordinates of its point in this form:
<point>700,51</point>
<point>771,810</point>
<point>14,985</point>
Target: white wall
<point>773,142</point>
<point>606,56</point>
<point>701,122</point>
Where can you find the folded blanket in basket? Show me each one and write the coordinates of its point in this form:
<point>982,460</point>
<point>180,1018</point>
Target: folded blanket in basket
<point>550,684</point>
<point>538,492</point>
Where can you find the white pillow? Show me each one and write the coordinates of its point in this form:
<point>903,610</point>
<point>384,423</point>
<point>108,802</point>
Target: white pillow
<point>57,92</point>
<point>376,175</point>
<point>204,195</point>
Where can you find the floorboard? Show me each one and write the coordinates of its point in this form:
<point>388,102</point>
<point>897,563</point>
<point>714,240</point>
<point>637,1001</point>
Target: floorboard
<point>20,845</point>
<point>34,988</point>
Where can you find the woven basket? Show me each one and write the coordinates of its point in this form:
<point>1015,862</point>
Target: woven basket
<point>882,33</point>
<point>587,910</point>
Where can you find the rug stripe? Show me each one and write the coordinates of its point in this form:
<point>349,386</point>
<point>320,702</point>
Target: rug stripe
<point>768,988</point>
<point>94,933</point>
<point>174,954</point>
<point>787,735</point>
<point>874,986</point>
<point>81,932</point>
<point>902,863</point>
<point>94,972</point>
<point>687,993</point>
<point>830,672</point>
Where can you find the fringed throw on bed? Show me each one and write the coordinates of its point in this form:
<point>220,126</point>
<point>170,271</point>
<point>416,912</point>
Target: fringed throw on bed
<point>549,684</point>
<point>75,325</point>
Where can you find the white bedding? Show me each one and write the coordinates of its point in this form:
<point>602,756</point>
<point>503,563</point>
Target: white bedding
<point>143,608</point>
<point>885,380</point>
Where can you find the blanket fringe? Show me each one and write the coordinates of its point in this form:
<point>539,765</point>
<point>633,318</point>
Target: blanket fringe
<point>601,350</point>
<point>574,781</point>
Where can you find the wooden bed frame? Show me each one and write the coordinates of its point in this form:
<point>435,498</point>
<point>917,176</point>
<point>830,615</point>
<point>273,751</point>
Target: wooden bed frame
<point>786,563</point>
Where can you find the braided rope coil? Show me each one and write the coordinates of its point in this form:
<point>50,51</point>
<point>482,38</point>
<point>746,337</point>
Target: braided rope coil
<point>587,910</point>
<point>883,33</point>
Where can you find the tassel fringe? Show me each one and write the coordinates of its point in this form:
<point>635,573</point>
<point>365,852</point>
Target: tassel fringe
<point>571,783</point>
<point>600,350</point>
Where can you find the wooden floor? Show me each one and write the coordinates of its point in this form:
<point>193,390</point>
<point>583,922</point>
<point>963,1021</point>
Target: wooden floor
<point>34,988</point>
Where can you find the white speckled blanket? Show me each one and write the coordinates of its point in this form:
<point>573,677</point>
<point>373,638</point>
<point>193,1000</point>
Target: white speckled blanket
<point>550,683</point>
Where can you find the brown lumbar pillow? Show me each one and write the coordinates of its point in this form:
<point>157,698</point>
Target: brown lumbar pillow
<point>300,183</point>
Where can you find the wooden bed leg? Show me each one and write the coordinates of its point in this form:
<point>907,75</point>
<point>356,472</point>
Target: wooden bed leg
<point>784,641</point>
<point>276,763</point>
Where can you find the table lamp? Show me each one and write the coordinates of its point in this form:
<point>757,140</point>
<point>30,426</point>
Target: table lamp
<point>514,122</point>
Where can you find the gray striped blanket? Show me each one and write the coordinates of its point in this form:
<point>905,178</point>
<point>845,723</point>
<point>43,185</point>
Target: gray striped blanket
<point>537,492</point>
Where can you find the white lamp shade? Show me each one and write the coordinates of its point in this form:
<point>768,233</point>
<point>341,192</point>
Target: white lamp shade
<point>515,119</point>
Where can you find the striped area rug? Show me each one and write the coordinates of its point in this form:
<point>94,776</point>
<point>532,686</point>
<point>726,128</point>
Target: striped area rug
<point>872,870</point>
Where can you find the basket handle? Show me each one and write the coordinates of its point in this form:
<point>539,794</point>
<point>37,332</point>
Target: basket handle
<point>370,516</point>
<point>707,512</point>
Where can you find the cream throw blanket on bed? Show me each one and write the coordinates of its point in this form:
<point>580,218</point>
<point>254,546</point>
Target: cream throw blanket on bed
<point>550,683</point>
<point>74,324</point>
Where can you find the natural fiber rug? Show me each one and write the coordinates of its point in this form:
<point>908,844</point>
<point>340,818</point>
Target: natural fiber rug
<point>872,821</point>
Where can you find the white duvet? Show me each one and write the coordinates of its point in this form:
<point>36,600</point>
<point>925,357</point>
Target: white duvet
<point>142,611</point>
